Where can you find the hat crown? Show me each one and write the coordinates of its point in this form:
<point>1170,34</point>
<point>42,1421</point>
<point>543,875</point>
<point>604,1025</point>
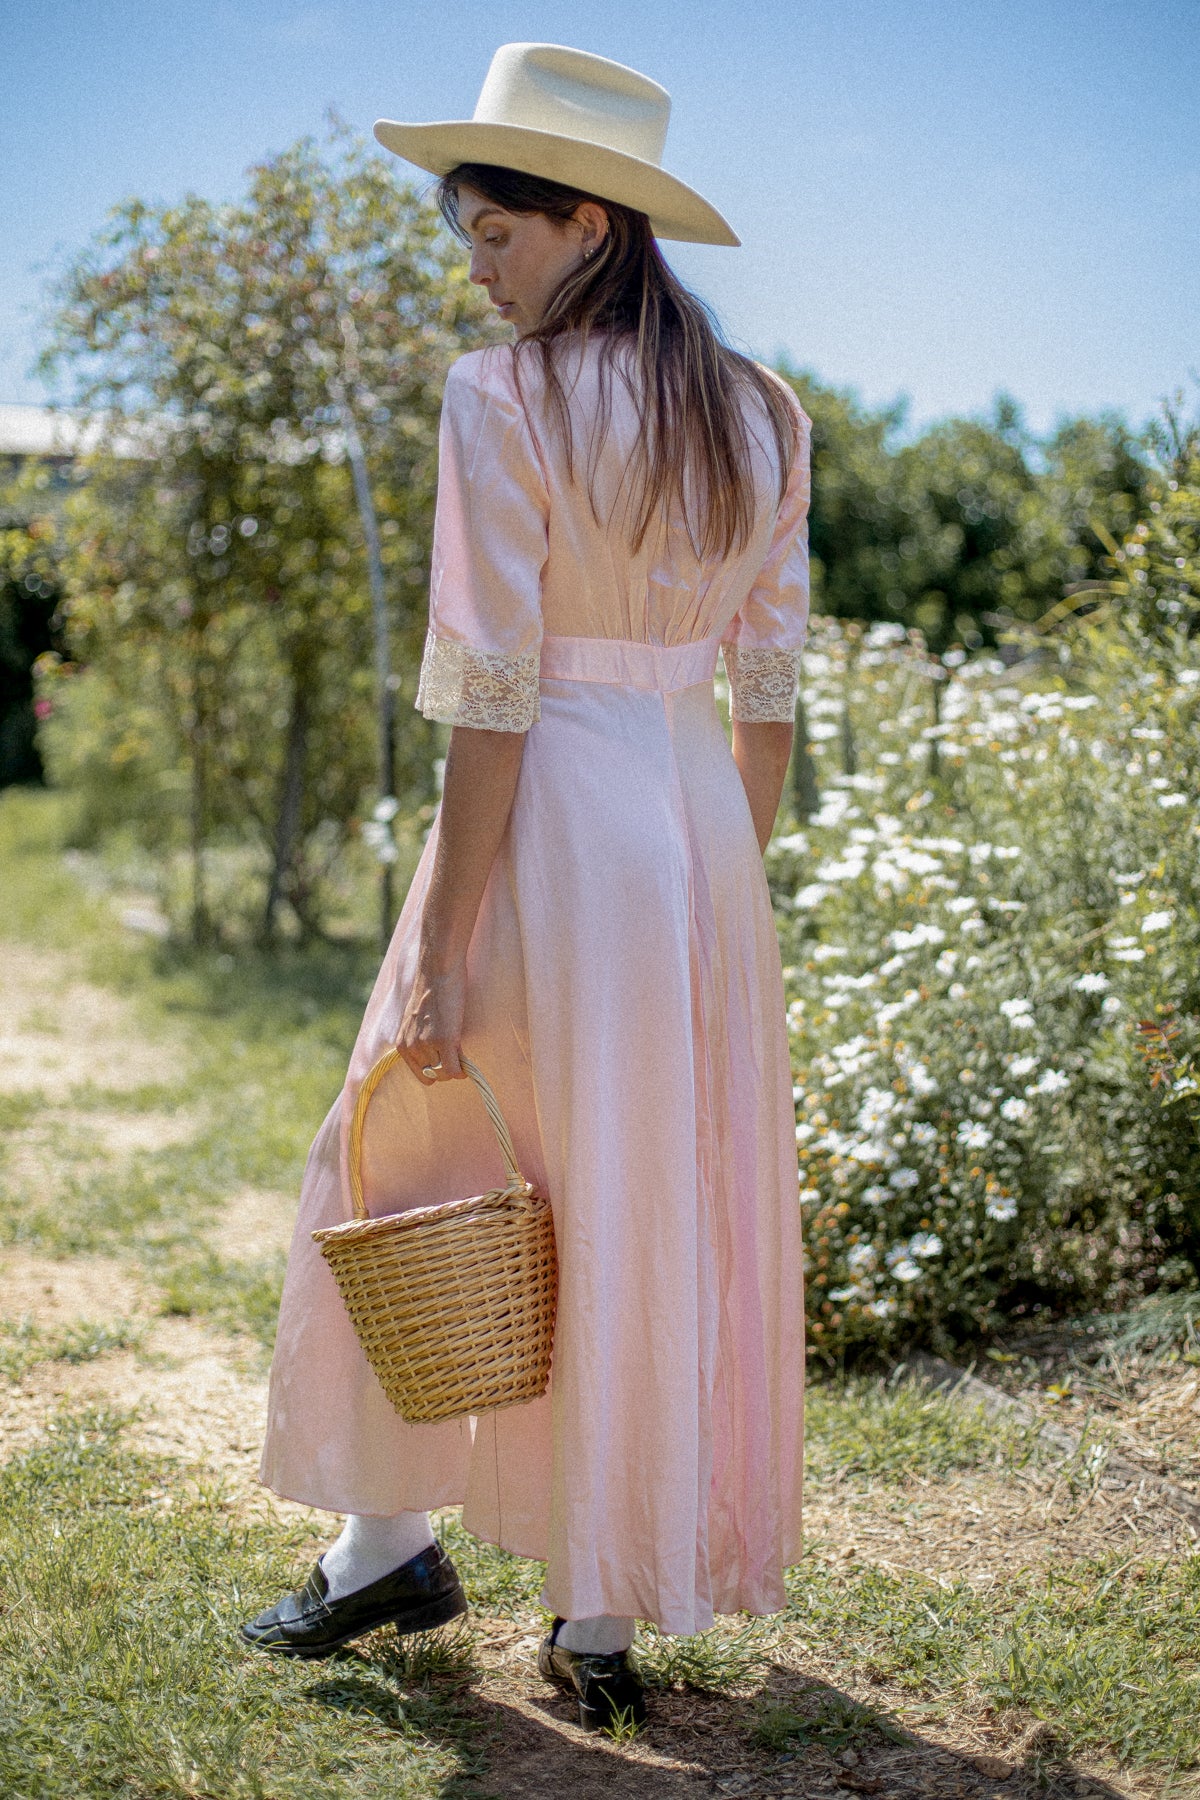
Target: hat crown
<point>548,87</point>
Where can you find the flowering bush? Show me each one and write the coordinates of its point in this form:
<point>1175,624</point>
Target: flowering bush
<point>999,888</point>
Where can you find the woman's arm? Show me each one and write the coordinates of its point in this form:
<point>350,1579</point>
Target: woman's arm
<point>477,795</point>
<point>762,753</point>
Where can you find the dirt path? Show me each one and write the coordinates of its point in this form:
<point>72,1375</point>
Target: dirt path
<point>200,1394</point>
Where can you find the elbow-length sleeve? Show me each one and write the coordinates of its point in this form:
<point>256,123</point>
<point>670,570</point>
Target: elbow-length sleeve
<point>762,647</point>
<point>490,541</point>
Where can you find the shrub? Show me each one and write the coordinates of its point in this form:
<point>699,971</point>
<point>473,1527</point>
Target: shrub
<point>996,893</point>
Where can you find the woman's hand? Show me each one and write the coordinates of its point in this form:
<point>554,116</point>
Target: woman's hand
<point>430,1034</point>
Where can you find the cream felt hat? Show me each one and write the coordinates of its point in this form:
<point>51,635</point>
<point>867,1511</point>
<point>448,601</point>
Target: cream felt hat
<point>575,118</point>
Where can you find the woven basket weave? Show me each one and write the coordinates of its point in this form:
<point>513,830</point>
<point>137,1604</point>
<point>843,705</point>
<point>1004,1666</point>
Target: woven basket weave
<point>453,1304</point>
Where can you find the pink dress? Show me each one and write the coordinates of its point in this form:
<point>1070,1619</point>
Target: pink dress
<point>625,1000</point>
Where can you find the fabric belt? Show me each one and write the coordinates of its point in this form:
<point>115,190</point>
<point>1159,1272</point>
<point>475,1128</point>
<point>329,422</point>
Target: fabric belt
<point>660,668</point>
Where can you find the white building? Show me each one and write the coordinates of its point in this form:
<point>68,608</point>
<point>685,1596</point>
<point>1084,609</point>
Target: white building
<point>57,436</point>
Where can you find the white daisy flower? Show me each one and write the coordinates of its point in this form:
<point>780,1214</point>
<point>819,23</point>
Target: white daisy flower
<point>905,1269</point>
<point>973,1136</point>
<point>1092,983</point>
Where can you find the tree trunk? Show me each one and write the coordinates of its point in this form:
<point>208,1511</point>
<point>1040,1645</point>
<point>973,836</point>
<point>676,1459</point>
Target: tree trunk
<point>385,681</point>
<point>291,796</point>
<point>935,707</point>
<point>201,923</point>
<point>849,747</point>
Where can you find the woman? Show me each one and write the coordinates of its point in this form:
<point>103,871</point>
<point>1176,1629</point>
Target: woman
<point>618,495</point>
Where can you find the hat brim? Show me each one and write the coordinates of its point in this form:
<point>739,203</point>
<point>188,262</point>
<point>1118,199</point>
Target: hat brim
<point>674,209</point>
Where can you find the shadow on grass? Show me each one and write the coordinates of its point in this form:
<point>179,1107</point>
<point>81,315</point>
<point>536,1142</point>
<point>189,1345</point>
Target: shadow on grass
<point>420,1688</point>
<point>796,1736</point>
<point>513,1737</point>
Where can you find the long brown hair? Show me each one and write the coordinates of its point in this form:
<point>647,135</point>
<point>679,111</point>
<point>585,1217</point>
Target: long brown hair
<point>688,384</point>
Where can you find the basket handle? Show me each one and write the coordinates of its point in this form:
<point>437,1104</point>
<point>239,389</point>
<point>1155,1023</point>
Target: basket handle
<point>372,1080</point>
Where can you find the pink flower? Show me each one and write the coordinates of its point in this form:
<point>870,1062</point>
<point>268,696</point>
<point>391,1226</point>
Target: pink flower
<point>43,708</point>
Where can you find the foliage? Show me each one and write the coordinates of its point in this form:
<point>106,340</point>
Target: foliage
<point>1157,583</point>
<point>977,922</point>
<point>217,603</point>
<point>968,527</point>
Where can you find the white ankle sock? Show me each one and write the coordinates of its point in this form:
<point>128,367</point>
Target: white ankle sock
<point>370,1548</point>
<point>607,1635</point>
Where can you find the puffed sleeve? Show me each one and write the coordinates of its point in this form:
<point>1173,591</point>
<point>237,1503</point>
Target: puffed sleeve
<point>483,646</point>
<point>763,644</point>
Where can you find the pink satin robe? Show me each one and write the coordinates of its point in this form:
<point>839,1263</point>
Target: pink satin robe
<point>625,999</point>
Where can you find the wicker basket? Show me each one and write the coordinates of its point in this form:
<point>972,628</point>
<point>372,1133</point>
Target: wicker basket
<point>452,1304</point>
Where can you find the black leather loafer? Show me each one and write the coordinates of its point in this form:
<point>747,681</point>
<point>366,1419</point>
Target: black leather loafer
<point>608,1688</point>
<point>420,1594</point>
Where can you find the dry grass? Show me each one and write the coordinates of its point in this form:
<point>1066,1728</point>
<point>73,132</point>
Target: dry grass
<point>1144,1402</point>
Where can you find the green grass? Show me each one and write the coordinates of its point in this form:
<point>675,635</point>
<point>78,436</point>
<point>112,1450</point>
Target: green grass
<point>23,1346</point>
<point>154,1202</point>
<point>121,1671</point>
<point>505,1586</point>
<point>714,1662</point>
<point>822,1717</point>
<point>241,1295</point>
<point>85,1340</point>
<point>1106,1650</point>
<point>1163,1328</point>
<point>871,1429</point>
<point>16,1111</point>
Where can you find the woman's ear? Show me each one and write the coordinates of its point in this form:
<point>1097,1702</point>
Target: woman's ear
<point>591,221</point>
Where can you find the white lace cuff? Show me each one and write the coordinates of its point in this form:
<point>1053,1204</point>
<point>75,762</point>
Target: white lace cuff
<point>762,683</point>
<point>463,686</point>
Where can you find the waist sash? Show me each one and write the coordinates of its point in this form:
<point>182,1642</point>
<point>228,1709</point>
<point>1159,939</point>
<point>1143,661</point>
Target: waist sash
<point>660,668</point>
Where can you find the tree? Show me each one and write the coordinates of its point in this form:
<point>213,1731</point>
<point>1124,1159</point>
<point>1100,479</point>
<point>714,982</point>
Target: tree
<point>231,557</point>
<point>1156,572</point>
<point>855,517</point>
<point>982,547</point>
<point>967,527</point>
<point>1098,478</point>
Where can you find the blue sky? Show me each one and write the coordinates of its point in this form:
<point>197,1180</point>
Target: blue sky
<point>937,198</point>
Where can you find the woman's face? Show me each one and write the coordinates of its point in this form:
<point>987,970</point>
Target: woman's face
<point>520,258</point>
